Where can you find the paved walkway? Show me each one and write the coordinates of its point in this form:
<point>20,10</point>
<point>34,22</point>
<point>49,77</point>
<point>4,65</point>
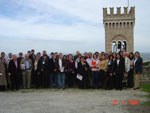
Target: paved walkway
<point>68,101</point>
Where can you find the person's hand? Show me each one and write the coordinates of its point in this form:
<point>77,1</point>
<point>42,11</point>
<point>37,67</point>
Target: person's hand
<point>110,74</point>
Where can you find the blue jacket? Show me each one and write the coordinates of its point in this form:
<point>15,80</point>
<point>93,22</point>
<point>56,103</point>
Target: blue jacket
<point>138,66</point>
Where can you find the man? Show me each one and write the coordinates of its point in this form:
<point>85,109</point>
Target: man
<point>13,73</point>
<point>32,57</point>
<point>26,67</point>
<point>53,71</point>
<point>138,62</point>
<point>19,59</point>
<point>10,57</point>
<point>61,71</point>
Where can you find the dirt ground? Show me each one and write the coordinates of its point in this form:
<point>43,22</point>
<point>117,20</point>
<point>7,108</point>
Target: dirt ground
<point>73,101</point>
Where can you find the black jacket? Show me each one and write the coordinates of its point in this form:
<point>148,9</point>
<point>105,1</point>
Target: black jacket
<point>12,69</point>
<point>119,68</point>
<point>83,68</point>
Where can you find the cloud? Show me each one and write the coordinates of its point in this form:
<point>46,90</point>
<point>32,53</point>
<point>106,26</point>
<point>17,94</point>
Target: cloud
<point>66,25</point>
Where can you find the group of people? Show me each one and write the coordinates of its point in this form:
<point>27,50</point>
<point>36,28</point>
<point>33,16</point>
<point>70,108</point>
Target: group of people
<point>87,70</point>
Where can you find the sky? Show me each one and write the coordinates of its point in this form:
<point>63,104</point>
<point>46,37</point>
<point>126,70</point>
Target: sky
<point>64,25</point>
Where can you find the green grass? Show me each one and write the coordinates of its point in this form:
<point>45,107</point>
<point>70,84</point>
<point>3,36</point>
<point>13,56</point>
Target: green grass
<point>146,88</point>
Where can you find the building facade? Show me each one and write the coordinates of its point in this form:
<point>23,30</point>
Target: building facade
<point>119,29</point>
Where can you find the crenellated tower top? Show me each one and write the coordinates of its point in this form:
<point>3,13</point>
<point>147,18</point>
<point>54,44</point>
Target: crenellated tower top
<point>126,13</point>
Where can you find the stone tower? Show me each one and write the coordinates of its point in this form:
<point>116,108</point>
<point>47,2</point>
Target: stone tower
<point>119,29</point>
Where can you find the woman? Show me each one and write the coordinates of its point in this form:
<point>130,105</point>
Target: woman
<point>110,73</point>
<point>131,71</point>
<point>83,70</point>
<point>70,71</point>
<point>3,83</point>
<point>102,70</point>
<point>95,68</point>
<point>119,69</point>
<point>44,71</point>
<point>36,71</point>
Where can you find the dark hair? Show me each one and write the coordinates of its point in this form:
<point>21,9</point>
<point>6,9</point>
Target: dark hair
<point>137,52</point>
<point>131,53</point>
<point>111,56</point>
<point>2,53</point>
<point>20,53</point>
<point>32,50</point>
<point>52,53</point>
<point>82,57</point>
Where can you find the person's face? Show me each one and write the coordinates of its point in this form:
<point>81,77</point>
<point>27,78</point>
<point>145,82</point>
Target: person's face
<point>37,57</point>
<point>70,57</point>
<point>65,57</point>
<point>90,55</point>
<point>60,55</point>
<point>111,58</point>
<point>114,55</point>
<point>20,55</point>
<point>3,55</point>
<point>85,54</point>
<point>103,57</point>
<point>44,57</point>
<point>15,57</point>
<point>32,51</point>
<point>10,55</point>
<point>137,55</point>
<point>52,55</point>
<point>44,52</point>
<point>29,52</point>
<point>118,56</point>
<point>131,55</point>
<point>82,59</point>
<point>77,53</point>
<point>121,53</point>
<point>94,57</point>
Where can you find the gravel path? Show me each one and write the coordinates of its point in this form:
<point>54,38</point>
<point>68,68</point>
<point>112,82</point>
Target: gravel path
<point>68,101</point>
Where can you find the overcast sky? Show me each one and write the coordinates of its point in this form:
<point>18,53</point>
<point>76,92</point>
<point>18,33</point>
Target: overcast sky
<point>64,25</point>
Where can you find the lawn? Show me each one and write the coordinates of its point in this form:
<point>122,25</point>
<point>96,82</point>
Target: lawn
<point>146,88</point>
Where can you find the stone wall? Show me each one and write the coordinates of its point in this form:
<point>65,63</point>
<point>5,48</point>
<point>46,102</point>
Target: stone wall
<point>146,74</point>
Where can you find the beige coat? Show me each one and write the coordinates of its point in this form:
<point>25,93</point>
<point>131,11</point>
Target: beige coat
<point>23,63</point>
<point>2,75</point>
<point>103,65</point>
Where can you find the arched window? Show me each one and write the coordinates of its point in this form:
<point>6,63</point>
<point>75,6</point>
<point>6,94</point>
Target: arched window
<point>124,46</point>
<point>106,25</point>
<point>116,25</point>
<point>120,24</point>
<point>114,46</point>
<point>128,25</point>
<point>109,25</point>
<point>124,24</point>
<point>131,24</point>
<point>113,25</point>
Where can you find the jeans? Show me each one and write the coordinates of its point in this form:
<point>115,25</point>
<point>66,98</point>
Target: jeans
<point>61,80</point>
<point>53,80</point>
<point>95,79</point>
